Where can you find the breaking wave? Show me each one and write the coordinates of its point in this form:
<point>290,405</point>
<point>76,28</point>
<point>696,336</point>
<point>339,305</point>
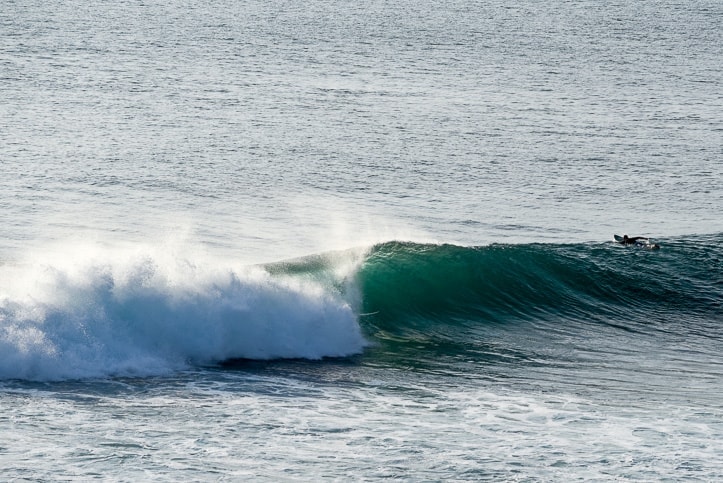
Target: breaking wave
<point>150,312</point>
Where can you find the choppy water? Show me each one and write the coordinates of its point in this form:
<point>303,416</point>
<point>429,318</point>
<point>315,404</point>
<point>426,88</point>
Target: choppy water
<point>359,240</point>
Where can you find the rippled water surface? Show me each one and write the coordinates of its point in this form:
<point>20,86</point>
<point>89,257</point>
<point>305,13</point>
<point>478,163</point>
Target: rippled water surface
<point>440,182</point>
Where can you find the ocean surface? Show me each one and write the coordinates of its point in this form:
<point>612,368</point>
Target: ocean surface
<point>285,241</point>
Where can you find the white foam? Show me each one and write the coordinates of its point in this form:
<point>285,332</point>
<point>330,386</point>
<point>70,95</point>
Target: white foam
<point>92,311</point>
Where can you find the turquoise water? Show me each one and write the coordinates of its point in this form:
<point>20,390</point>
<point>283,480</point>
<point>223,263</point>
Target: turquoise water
<point>273,241</point>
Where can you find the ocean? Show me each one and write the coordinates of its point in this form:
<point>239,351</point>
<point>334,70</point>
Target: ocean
<point>285,241</point>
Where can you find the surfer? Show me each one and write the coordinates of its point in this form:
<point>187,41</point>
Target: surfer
<point>631,240</point>
<point>638,241</point>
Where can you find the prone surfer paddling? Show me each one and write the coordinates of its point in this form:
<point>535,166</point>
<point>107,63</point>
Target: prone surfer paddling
<point>638,241</point>
<point>631,240</point>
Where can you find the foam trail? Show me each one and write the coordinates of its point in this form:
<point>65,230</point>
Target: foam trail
<point>145,312</point>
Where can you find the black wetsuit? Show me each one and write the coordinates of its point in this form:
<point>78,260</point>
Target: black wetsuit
<point>632,240</point>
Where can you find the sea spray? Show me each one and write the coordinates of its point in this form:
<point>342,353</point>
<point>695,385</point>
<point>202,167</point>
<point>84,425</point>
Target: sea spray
<point>147,311</point>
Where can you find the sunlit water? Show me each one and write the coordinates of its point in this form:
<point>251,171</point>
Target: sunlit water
<point>153,154</point>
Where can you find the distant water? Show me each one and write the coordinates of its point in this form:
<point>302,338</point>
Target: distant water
<point>360,240</point>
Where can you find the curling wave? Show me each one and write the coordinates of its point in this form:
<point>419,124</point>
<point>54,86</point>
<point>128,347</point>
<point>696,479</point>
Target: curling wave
<point>151,313</point>
<point>411,290</point>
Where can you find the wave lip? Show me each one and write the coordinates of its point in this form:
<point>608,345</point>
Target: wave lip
<point>146,316</point>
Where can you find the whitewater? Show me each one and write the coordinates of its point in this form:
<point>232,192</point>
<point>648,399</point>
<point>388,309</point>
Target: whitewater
<point>360,241</point>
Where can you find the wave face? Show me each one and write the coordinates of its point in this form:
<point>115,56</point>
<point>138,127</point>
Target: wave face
<point>151,313</point>
<point>451,296</point>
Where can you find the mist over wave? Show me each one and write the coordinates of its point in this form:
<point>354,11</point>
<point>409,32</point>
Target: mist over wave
<point>103,312</point>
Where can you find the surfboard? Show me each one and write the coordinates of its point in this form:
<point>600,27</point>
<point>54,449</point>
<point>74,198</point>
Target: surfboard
<point>641,243</point>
